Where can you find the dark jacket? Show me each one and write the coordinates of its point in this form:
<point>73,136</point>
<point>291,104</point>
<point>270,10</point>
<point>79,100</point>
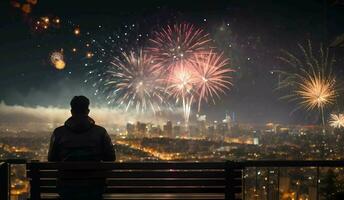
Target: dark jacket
<point>80,139</point>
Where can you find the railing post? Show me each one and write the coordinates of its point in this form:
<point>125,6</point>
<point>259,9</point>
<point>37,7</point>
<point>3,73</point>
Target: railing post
<point>4,181</point>
<point>268,185</point>
<point>278,184</point>
<point>256,183</point>
<point>318,179</point>
<point>229,193</point>
<point>34,181</point>
<point>243,183</point>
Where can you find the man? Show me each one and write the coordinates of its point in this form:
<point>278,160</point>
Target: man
<point>80,139</point>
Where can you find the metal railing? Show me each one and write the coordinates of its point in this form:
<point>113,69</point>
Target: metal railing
<point>266,170</point>
<point>5,179</point>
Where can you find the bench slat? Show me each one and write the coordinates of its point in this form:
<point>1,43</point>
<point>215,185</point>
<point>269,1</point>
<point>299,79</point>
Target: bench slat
<point>152,196</point>
<point>149,189</point>
<point>136,182</point>
<point>135,174</point>
<point>128,165</point>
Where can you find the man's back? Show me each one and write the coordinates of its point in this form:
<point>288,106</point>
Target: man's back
<point>81,140</point>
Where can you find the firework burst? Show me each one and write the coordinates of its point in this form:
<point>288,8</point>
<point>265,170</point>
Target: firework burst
<point>133,80</point>
<point>316,91</point>
<point>310,81</point>
<point>211,76</point>
<point>178,44</point>
<point>336,120</point>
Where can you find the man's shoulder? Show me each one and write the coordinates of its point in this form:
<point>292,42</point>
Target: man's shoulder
<point>99,128</point>
<point>59,129</point>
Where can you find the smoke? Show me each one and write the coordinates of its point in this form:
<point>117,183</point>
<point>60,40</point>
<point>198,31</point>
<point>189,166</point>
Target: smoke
<point>41,118</point>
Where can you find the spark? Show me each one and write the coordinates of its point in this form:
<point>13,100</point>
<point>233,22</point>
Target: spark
<point>77,31</point>
<point>336,120</point>
<point>46,19</point>
<point>89,55</point>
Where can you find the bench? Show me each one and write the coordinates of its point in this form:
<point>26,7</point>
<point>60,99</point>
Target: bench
<point>144,180</point>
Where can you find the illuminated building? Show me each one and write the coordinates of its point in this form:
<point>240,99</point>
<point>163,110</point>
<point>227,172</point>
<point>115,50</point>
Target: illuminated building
<point>130,129</point>
<point>168,129</point>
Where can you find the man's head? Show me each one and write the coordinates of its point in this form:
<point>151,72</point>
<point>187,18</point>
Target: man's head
<point>79,105</point>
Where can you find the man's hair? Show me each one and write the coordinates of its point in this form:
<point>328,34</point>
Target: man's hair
<point>79,105</point>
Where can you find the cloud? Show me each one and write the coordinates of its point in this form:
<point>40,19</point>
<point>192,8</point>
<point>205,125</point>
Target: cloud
<point>43,118</point>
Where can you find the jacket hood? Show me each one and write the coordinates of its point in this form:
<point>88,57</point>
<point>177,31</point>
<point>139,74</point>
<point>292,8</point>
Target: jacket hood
<point>79,124</point>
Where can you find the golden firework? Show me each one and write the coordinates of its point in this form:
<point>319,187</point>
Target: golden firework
<point>316,91</point>
<point>310,80</point>
<point>336,120</point>
<point>57,59</point>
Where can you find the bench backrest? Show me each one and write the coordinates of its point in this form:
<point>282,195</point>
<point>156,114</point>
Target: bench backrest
<point>220,179</point>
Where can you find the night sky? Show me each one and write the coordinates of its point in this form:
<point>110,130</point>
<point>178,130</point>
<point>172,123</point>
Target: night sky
<point>251,33</point>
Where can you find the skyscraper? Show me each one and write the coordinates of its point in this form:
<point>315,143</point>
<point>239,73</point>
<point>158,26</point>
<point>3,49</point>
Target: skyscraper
<point>168,129</point>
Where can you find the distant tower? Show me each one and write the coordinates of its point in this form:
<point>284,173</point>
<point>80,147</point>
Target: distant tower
<point>228,120</point>
<point>177,130</point>
<point>130,129</point>
<point>168,129</point>
<point>141,129</point>
<point>201,124</point>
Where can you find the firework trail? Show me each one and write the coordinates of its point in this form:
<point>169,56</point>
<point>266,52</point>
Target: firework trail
<point>211,76</point>
<point>134,80</point>
<point>310,81</point>
<point>178,44</point>
<point>336,120</point>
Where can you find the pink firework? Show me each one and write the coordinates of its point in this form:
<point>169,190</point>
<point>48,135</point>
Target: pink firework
<point>178,44</point>
<point>212,76</point>
<point>181,81</point>
<point>180,86</point>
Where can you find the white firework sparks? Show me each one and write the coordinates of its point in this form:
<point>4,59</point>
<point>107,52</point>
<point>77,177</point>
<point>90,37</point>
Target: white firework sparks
<point>336,120</point>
